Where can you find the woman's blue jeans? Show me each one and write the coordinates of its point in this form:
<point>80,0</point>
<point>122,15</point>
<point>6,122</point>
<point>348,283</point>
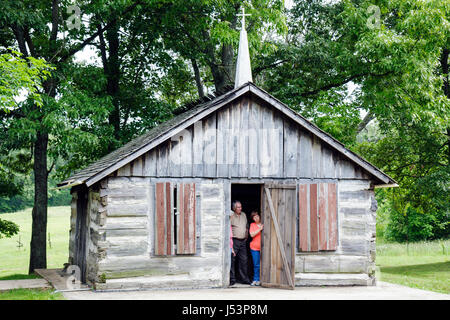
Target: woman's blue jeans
<point>256,257</point>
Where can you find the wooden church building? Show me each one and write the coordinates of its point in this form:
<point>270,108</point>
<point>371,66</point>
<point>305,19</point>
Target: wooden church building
<point>156,212</point>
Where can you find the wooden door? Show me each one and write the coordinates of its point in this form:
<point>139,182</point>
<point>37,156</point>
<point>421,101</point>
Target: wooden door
<point>278,240</point>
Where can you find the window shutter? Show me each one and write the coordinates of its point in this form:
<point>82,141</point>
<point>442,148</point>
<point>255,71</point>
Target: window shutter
<point>163,234</point>
<point>186,222</point>
<point>317,217</point>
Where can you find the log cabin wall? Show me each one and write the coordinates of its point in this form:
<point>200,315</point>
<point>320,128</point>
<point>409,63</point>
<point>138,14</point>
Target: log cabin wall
<point>353,263</point>
<point>128,237</point>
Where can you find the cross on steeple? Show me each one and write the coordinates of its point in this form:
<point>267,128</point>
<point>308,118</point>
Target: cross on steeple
<point>243,15</point>
<point>243,67</point>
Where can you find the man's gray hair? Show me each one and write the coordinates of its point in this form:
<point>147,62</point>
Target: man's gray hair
<point>235,202</point>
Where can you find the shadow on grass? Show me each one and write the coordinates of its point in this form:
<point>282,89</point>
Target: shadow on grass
<point>418,269</point>
<point>20,277</point>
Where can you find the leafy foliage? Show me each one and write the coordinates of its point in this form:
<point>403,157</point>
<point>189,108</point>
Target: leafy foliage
<point>8,228</point>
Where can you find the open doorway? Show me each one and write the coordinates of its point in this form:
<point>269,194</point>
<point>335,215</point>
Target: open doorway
<point>250,197</point>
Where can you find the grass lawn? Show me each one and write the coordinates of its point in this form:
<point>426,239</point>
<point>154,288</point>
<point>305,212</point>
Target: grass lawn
<point>422,265</point>
<point>31,294</point>
<point>15,260</point>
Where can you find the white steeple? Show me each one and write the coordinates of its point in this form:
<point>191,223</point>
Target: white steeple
<point>243,67</point>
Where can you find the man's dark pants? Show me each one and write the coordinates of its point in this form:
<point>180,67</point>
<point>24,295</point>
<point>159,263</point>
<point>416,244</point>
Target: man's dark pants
<point>240,249</point>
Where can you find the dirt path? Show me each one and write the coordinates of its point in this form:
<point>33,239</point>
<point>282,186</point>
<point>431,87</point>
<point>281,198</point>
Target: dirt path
<point>383,291</point>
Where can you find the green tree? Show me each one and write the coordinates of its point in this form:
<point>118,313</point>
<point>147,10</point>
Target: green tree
<point>40,29</point>
<point>18,76</point>
<point>395,56</point>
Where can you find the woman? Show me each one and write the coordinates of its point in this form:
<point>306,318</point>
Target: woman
<point>255,246</point>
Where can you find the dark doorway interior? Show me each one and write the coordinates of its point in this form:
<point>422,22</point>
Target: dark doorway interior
<point>250,197</point>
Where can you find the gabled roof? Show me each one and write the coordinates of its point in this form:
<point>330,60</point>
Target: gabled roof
<point>142,144</point>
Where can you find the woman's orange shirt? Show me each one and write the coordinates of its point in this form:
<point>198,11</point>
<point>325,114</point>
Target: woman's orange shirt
<point>256,241</point>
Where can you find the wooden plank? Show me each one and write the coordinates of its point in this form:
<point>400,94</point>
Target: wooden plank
<point>243,156</point>
<point>137,167</point>
<point>316,157</point>
<point>278,152</point>
<point>303,217</point>
<point>168,219</point>
<point>277,198</point>
<point>290,150</point>
<point>186,154</point>
<point>180,223</point>
<point>266,244</point>
<point>314,238</point>
<point>124,171</point>
<point>222,142</point>
<point>234,135</point>
<point>192,220</point>
<point>278,234</point>
<point>210,147</point>
<point>305,155</point>
<point>265,155</point>
<point>322,216</point>
<point>163,160</point>
<point>150,163</point>
<point>332,217</point>
<point>185,222</point>
<point>160,223</point>
<point>197,148</point>
<point>253,130</point>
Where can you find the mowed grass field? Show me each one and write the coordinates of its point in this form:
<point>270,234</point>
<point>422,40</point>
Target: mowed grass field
<point>423,265</point>
<point>15,260</point>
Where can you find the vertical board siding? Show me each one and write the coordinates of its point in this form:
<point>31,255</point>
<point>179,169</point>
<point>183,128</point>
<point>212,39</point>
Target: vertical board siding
<point>317,217</point>
<point>314,239</point>
<point>245,139</point>
<point>303,217</point>
<point>332,217</point>
<point>169,218</point>
<point>323,236</point>
<point>186,235</point>
<point>161,241</point>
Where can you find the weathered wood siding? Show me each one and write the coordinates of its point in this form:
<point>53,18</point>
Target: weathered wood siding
<point>244,139</point>
<point>96,212</point>
<point>354,260</point>
<point>128,235</point>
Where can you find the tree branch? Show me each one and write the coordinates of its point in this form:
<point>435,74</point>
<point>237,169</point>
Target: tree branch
<point>18,33</point>
<point>55,13</point>
<point>87,41</point>
<point>345,81</point>
<point>368,117</point>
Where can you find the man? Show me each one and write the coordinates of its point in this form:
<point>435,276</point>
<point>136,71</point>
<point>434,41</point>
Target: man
<point>240,234</point>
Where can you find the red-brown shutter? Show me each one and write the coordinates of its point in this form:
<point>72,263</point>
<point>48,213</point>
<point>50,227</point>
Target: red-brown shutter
<point>186,224</point>
<point>163,239</point>
<point>317,217</point>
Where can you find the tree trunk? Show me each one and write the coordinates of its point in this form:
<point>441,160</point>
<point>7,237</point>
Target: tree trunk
<point>446,88</point>
<point>38,245</point>
<point>198,80</point>
<point>112,70</point>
